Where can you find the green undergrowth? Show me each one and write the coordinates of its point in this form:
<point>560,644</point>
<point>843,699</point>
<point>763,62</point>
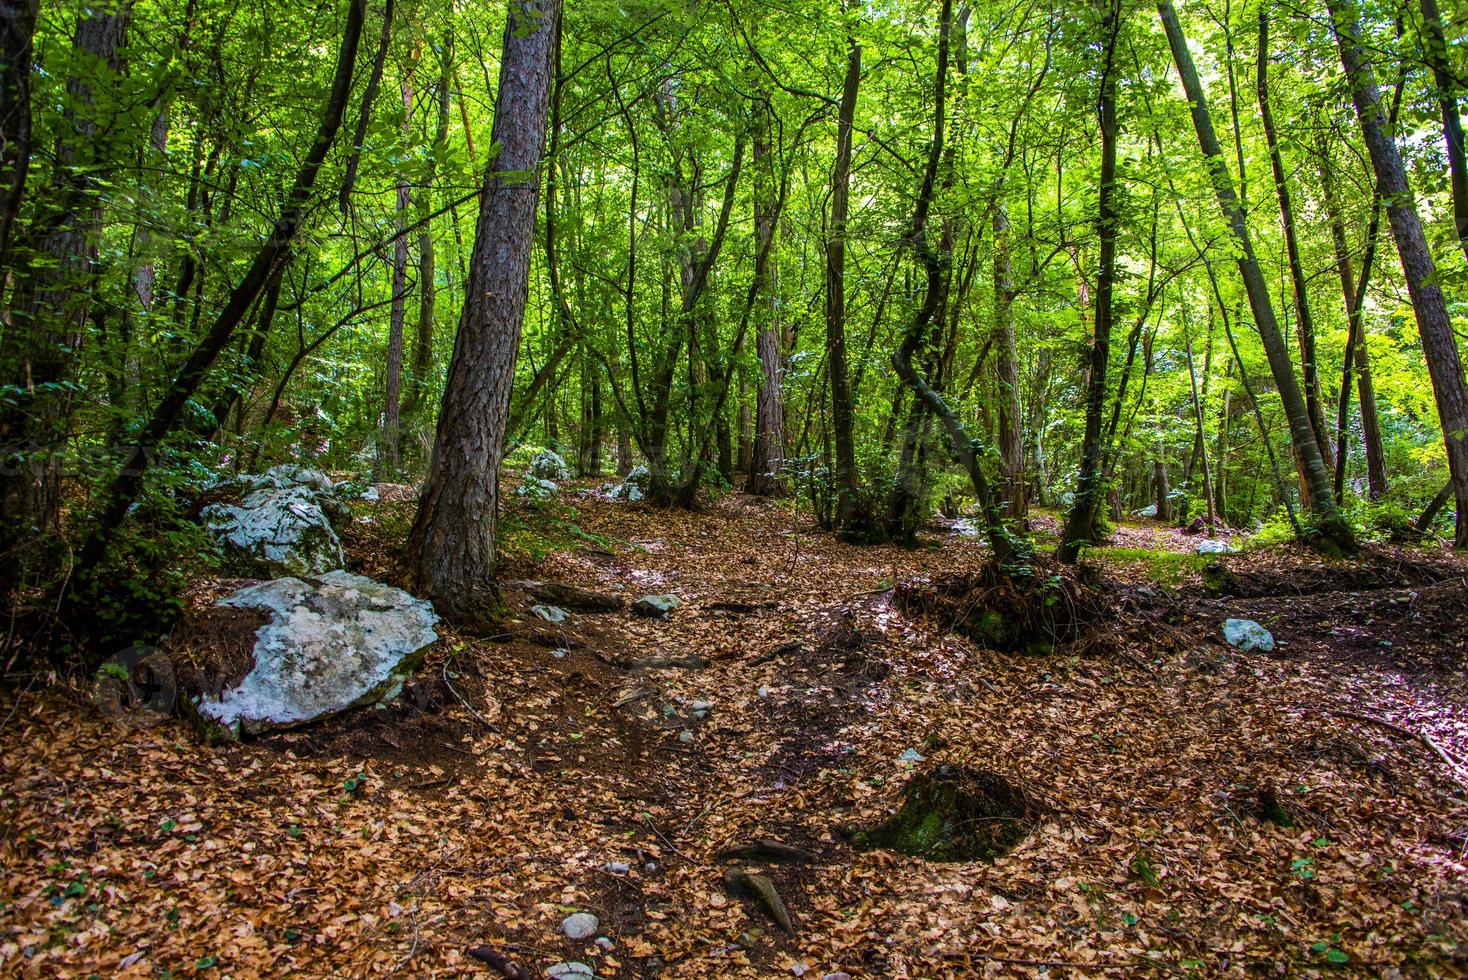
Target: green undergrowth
<point>1170,568</point>
<point>533,533</point>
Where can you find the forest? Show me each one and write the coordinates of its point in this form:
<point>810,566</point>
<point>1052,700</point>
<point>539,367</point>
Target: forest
<point>733,488</point>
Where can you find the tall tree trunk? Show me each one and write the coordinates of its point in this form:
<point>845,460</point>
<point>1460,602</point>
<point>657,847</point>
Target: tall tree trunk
<point>17,28</point>
<point>841,408</point>
<point>1329,527</point>
<point>768,457</point>
<point>52,294</point>
<point>1356,355</point>
<point>390,459</point>
<point>1090,484</point>
<point>364,117</point>
<point>1304,322</point>
<point>1447,100</point>
<point>265,264</point>
<point>1006,376</point>
<point>1439,346</point>
<point>452,545</point>
<point>1202,441</point>
<point>427,287</point>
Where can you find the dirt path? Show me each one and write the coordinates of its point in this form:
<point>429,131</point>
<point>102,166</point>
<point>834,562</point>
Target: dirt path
<point>546,771</point>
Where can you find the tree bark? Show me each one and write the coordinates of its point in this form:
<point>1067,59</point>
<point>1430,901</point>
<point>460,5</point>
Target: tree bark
<point>1439,346</point>
<point>1436,47</point>
<point>1328,526</point>
<point>1007,417</point>
<point>452,544</point>
<point>391,459</point>
<point>1090,485</point>
<point>276,247</point>
<point>1304,322</point>
<point>836,370</point>
<point>17,28</point>
<point>768,456</point>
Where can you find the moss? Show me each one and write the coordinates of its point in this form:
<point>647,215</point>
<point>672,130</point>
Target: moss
<point>1170,568</point>
<point>953,814</point>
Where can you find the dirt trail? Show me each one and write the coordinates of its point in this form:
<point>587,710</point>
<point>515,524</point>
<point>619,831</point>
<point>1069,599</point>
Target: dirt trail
<point>518,775</point>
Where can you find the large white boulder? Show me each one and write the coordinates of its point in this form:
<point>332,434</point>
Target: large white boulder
<point>274,532</point>
<point>332,643</point>
<point>1247,635</point>
<point>634,485</point>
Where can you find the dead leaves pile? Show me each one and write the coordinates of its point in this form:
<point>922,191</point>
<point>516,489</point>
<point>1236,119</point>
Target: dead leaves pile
<point>393,843</point>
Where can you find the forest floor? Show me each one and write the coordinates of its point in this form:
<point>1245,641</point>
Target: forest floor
<point>545,771</point>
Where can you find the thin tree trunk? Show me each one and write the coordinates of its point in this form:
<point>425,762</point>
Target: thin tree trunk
<point>427,286</point>
<point>1007,415</point>
<point>768,457</point>
<point>1090,484</point>
<point>841,409</point>
<point>1447,101</point>
<point>1202,442</point>
<point>277,245</point>
<point>17,28</point>
<point>1439,346</point>
<point>1329,527</point>
<point>1304,322</point>
<point>364,117</point>
<point>390,461</point>
<point>452,544</point>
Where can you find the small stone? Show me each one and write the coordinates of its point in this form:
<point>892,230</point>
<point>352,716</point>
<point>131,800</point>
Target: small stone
<point>763,691</point>
<point>580,925</point>
<point>685,737</point>
<point>799,968</point>
<point>1215,547</point>
<point>570,971</point>
<point>617,867</point>
<point>656,606</point>
<point>700,706</point>
<point>1246,635</point>
<point>837,976</point>
<point>911,755</point>
<point>551,614</point>
<point>604,944</point>
<point>559,654</point>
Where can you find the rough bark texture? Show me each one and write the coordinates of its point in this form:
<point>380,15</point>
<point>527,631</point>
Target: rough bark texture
<point>1090,488</point>
<point>452,545</point>
<point>1436,47</point>
<point>1007,415</point>
<point>841,413</point>
<point>1439,346</point>
<point>17,27</point>
<point>768,456</point>
<point>390,459</point>
<point>53,289</point>
<point>1329,527</point>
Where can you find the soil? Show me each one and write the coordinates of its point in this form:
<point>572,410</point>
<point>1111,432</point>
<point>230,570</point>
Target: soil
<point>519,772</point>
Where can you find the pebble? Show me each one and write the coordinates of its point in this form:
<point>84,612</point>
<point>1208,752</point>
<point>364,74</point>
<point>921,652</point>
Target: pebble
<point>617,867</point>
<point>763,692</point>
<point>570,971</point>
<point>580,925</point>
<point>685,737</point>
<point>604,943</point>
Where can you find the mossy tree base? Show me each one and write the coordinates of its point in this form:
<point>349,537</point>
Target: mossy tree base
<point>1031,607</point>
<point>954,814</point>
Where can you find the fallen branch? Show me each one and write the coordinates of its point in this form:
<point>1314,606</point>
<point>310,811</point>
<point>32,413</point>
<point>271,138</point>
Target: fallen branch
<point>498,961</point>
<point>1455,766</point>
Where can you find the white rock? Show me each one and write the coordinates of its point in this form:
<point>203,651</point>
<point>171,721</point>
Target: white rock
<point>570,971</point>
<point>551,614</point>
<point>339,642</point>
<point>910,755</point>
<point>634,485</point>
<point>277,532</point>
<point>537,489</point>
<point>656,606</point>
<point>1246,635</point>
<point>1212,546</point>
<point>548,465</point>
<point>580,925</point>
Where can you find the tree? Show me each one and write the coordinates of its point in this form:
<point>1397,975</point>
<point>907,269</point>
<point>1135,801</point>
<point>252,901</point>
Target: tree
<point>1328,527</point>
<point>1439,346</point>
<point>452,544</point>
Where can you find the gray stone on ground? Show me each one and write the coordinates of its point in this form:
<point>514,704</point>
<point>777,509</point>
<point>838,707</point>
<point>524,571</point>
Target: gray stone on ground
<point>656,606</point>
<point>580,925</point>
<point>1149,511</point>
<point>1247,635</point>
<point>570,971</point>
<point>337,642</point>
<point>634,485</point>
<point>548,465</point>
<point>551,614</point>
<point>273,532</point>
<point>1213,546</point>
<point>537,489</point>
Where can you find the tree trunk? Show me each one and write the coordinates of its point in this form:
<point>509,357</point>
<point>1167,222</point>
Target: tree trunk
<point>427,286</point>
<point>17,28</point>
<point>1090,485</point>
<point>1357,355</point>
<point>1304,322</point>
<point>1439,346</point>
<point>1436,47</point>
<point>390,459</point>
<point>265,264</point>
<point>768,457</point>
<point>841,409</point>
<point>452,545</point>
<point>53,290</point>
<point>1329,528</point>
<point>1007,416</point>
<point>364,117</point>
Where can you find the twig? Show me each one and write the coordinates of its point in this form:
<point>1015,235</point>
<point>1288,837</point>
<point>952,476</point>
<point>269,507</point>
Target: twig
<point>1455,766</point>
<point>469,707</point>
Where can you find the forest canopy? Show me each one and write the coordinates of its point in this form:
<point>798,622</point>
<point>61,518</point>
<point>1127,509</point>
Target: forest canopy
<point>1199,262</point>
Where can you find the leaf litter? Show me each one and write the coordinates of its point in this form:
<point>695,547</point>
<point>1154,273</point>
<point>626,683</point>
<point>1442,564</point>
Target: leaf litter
<point>628,768</point>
